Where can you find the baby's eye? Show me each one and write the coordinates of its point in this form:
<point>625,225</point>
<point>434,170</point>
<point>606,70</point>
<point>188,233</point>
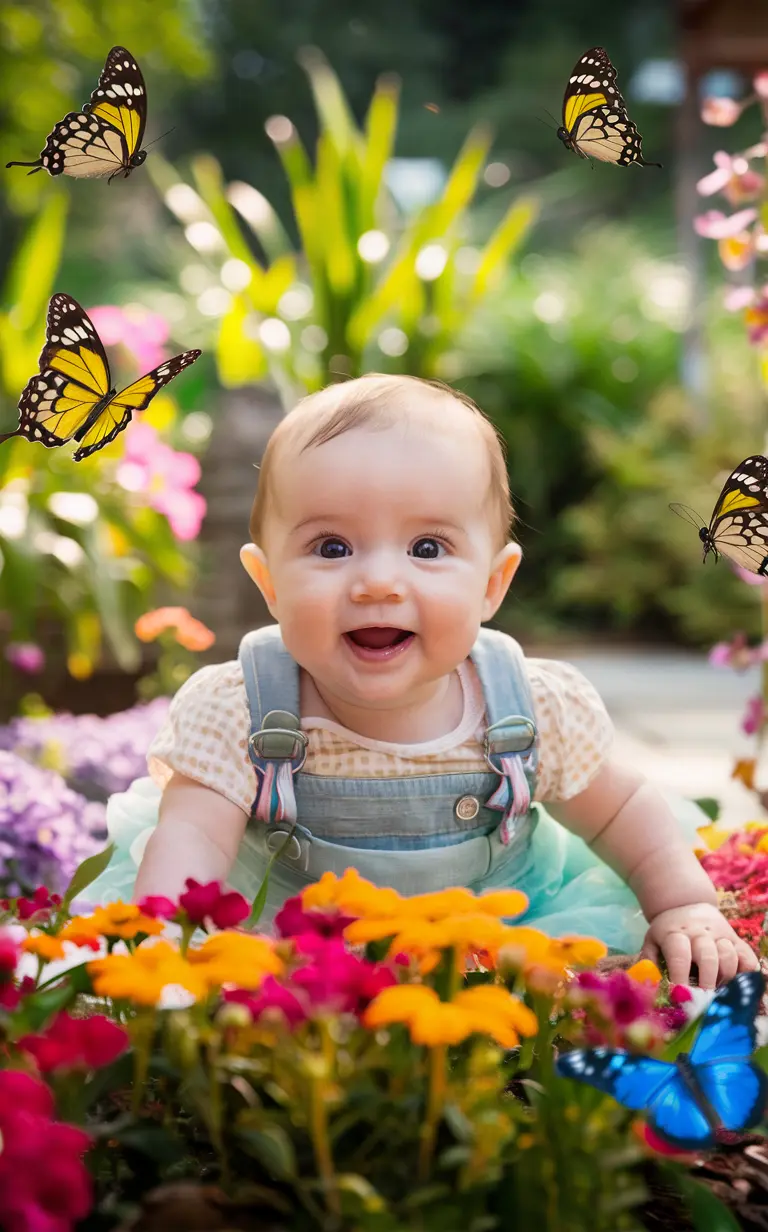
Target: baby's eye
<point>330,549</point>
<point>427,548</point>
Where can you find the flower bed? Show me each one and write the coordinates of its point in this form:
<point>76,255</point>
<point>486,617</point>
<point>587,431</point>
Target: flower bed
<point>383,1063</point>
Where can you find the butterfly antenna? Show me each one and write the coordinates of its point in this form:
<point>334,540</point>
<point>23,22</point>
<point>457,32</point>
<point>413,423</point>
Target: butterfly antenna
<point>160,138</point>
<point>688,514</point>
<point>546,123</point>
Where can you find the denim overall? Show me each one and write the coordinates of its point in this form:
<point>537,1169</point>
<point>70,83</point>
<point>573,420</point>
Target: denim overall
<point>417,833</point>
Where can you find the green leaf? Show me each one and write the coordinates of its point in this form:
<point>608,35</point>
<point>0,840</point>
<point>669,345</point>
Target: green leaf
<point>273,1148</point>
<point>708,1214</point>
<point>152,1140</point>
<point>38,1009</point>
<point>30,279</point>
<point>505,239</point>
<point>381,125</point>
<point>261,895</point>
<point>710,806</point>
<point>332,107</point>
<point>105,588</point>
<point>85,874</point>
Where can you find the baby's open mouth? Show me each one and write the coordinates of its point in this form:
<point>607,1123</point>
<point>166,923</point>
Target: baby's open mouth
<point>376,643</point>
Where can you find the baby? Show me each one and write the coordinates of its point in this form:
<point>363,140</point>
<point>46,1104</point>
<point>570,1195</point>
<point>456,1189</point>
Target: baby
<point>378,725</point>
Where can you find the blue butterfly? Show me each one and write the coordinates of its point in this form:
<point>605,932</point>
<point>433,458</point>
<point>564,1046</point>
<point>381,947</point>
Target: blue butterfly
<point>714,1086</point>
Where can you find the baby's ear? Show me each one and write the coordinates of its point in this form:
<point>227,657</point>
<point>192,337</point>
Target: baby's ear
<point>255,564</point>
<point>503,569</point>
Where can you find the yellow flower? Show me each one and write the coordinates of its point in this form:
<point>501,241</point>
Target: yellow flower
<point>712,836</point>
<point>578,951</point>
<point>645,972</point>
<point>44,946</point>
<point>356,896</point>
<point>545,961</point>
<point>744,771</point>
<point>484,1010</point>
<point>123,920</point>
<point>235,958</point>
<point>142,976</point>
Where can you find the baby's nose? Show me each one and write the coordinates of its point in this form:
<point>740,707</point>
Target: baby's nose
<point>380,576</point>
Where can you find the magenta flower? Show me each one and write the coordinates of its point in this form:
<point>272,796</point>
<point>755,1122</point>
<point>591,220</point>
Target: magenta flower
<point>715,225</point>
<point>25,657</point>
<point>335,981</point>
<point>141,332</point>
<point>226,909</point>
<point>158,907</point>
<point>293,920</point>
<point>165,477</point>
<point>754,716</point>
<point>756,317</point>
<point>272,996</point>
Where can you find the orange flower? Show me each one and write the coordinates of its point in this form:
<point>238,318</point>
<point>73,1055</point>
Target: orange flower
<point>44,946</point>
<point>190,633</point>
<point>545,961</point>
<point>142,976</point>
<point>351,894</point>
<point>235,958</point>
<point>744,772</point>
<point>354,895</point>
<point>645,972</point>
<point>123,920</point>
<point>484,1010</point>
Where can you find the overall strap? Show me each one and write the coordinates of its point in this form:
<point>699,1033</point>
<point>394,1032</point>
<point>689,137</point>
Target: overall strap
<point>511,738</point>
<point>276,745</point>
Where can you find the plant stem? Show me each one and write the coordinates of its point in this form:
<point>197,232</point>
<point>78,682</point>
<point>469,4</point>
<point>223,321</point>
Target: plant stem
<point>435,1101</point>
<point>143,1040</point>
<point>318,1125</point>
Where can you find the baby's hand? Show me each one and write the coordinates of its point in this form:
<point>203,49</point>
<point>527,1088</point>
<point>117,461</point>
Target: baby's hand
<point>697,933</point>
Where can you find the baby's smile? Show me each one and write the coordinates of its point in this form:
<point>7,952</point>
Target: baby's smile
<point>378,643</point>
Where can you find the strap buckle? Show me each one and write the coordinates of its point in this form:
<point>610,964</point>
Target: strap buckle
<point>279,739</point>
<point>514,734</point>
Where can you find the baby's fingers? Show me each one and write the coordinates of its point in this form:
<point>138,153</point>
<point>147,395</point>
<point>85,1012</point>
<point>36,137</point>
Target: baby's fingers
<point>705,955</point>
<point>728,954</point>
<point>677,951</point>
<point>747,958</point>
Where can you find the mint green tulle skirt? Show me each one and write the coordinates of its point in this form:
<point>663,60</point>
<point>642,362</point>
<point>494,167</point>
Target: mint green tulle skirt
<point>569,889</point>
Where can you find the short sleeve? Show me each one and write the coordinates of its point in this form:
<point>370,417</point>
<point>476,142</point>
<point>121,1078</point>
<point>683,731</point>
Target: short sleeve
<point>575,730</point>
<point>206,735</point>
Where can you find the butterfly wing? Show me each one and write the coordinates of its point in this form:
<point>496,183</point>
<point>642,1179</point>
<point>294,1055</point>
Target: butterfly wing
<point>120,99</point>
<point>631,1080</point>
<point>736,1090</point>
<point>730,1082</point>
<point>82,146</point>
<point>739,524</point>
<point>595,114</point>
<point>674,1114</point>
<point>116,415</point>
<point>73,380</point>
<point>591,84</point>
<point>608,134</point>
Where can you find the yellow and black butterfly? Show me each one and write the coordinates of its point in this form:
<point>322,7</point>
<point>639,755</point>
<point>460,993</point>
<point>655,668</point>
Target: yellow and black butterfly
<point>72,398</point>
<point>738,527</point>
<point>105,137</point>
<point>595,120</point>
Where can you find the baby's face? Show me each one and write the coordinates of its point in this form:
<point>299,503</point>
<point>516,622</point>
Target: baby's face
<point>379,546</point>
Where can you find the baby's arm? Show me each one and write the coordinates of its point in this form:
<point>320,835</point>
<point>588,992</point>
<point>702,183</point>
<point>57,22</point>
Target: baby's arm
<point>198,835</point>
<point>630,825</point>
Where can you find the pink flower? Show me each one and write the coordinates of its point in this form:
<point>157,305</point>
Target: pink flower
<point>25,657</point>
<point>41,900</point>
<point>272,996</point>
<point>44,1185</point>
<point>754,716</point>
<point>756,318</point>
<point>292,920</point>
<point>659,1145</point>
<point>140,332</point>
<point>207,902</point>
<point>715,225</point>
<point>733,177</point>
<point>158,907</point>
<point>165,477</point>
<point>335,981</point>
<point>738,654</point>
<point>760,82</point>
<point>736,298</point>
<point>9,956</point>
<point>70,1043</point>
<point>720,112</point>
<point>752,579</point>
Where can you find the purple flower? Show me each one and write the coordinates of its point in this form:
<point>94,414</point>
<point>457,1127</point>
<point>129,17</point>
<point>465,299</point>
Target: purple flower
<point>737,653</point>
<point>754,716</point>
<point>97,756</point>
<point>46,828</point>
<point>26,657</point>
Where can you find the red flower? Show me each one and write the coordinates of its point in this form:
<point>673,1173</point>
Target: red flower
<point>207,902</point>
<point>335,981</point>
<point>11,995</point>
<point>44,1185</point>
<point>293,919</point>
<point>71,1043</point>
<point>9,956</point>
<point>41,900</point>
<point>158,907</point>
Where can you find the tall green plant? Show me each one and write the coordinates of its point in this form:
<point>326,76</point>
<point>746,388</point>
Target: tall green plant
<point>77,550</point>
<point>368,288</point>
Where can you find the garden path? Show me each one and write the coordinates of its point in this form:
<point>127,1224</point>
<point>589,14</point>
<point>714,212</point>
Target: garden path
<point>677,719</point>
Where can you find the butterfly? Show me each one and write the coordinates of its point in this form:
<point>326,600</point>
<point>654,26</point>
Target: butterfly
<point>72,397</point>
<point>105,137</point>
<point>715,1086</point>
<point>595,121</point>
<point>738,527</point>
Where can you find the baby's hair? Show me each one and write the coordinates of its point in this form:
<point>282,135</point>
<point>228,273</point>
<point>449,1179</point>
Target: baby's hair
<point>372,401</point>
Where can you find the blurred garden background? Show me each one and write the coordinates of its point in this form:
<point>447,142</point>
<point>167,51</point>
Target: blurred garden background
<point>338,187</point>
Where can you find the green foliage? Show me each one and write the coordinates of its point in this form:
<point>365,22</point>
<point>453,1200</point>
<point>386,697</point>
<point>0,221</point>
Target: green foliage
<point>339,308</point>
